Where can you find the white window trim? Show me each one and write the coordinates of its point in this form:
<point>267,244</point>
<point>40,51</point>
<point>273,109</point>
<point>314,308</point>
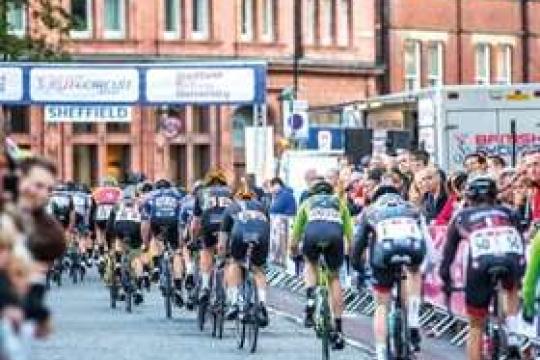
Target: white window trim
<point>173,35</point>
<point>440,59</point>
<point>20,32</point>
<point>202,34</point>
<point>311,12</point>
<point>85,34</point>
<point>116,34</point>
<point>505,51</point>
<point>248,35</point>
<point>487,64</point>
<point>269,8</point>
<point>344,26</point>
<point>326,38</point>
<point>418,66</point>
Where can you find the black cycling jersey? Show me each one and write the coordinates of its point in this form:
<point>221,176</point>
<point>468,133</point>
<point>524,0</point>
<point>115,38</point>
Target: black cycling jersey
<point>210,204</point>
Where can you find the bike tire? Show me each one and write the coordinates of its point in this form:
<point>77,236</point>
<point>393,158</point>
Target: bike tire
<point>59,279</point>
<point>113,293</point>
<point>82,274</point>
<point>240,332</point>
<point>253,323</point>
<point>74,276</point>
<point>129,301</point>
<point>201,315</point>
<point>325,329</point>
<point>168,303</point>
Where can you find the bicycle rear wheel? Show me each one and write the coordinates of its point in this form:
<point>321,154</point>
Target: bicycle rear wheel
<point>240,332</point>
<point>201,314</point>
<point>113,293</point>
<point>252,320</point>
<point>129,300</point>
<point>325,328</point>
<point>167,294</point>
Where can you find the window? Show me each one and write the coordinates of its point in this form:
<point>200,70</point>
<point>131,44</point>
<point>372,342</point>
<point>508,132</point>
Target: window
<point>504,62</point>
<point>81,12</point>
<point>200,19</point>
<point>268,20</point>
<point>172,19</point>
<point>118,128</point>
<point>84,128</point>
<point>483,68</point>
<point>201,119</point>
<point>343,38</point>
<point>311,14</point>
<point>16,18</point>
<point>114,13</point>
<point>435,64</point>
<point>412,65</point>
<point>18,119</point>
<point>246,20</point>
<point>328,21</point>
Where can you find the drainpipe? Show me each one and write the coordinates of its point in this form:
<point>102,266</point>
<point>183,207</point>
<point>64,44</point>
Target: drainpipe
<point>459,42</point>
<point>525,34</point>
<point>383,41</point>
<point>298,46</point>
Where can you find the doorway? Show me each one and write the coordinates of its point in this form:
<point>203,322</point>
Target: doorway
<point>118,162</point>
<point>178,164</point>
<point>85,164</point>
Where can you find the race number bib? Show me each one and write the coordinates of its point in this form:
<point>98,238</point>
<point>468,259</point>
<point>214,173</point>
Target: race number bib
<point>60,201</point>
<point>324,214</point>
<point>103,212</point>
<point>128,215</point>
<point>216,202</point>
<point>398,229</point>
<point>251,215</point>
<point>495,241</point>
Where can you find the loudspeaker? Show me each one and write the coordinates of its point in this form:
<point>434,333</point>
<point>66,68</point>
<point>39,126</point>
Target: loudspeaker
<point>397,139</point>
<point>358,143</point>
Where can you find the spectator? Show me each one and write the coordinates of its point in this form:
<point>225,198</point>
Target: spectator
<point>395,178</point>
<point>456,185</point>
<point>531,162</point>
<point>309,177</point>
<point>495,165</point>
<point>252,185</point>
<point>432,192</point>
<point>419,160</point>
<point>475,164</point>
<point>283,202</point>
<point>376,162</point>
<point>508,187</point>
<point>355,194</point>
<point>404,163</point>
<point>371,182</point>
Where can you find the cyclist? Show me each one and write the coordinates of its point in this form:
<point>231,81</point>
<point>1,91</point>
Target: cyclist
<point>491,231</point>
<point>61,206</point>
<point>143,191</point>
<point>246,216</point>
<point>530,279</point>
<point>161,211</point>
<point>105,197</point>
<point>124,236</point>
<point>390,227</point>
<point>83,205</point>
<point>324,221</point>
<point>211,201</point>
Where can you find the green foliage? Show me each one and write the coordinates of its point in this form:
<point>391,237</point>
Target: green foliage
<point>44,39</point>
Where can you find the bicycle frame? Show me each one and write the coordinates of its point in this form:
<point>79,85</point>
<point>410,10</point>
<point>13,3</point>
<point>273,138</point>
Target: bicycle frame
<point>323,316</point>
<point>397,326</point>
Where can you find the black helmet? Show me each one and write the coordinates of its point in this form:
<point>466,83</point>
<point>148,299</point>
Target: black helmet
<point>322,187</point>
<point>163,184</point>
<point>481,188</point>
<point>384,190</point>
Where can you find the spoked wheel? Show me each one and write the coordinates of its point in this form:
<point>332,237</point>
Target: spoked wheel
<point>325,330</point>
<point>74,275</point>
<point>201,314</point>
<point>82,273</point>
<point>253,329</point>
<point>113,291</point>
<point>129,300</point>
<point>167,298</point>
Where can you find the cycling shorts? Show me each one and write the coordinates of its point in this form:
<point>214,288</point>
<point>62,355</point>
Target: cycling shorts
<point>326,238</point>
<point>479,289</point>
<point>101,224</point>
<point>80,223</point>
<point>170,226</point>
<point>239,245</point>
<point>130,232</point>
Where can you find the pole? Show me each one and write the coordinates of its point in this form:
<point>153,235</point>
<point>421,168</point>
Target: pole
<point>297,45</point>
<point>514,141</point>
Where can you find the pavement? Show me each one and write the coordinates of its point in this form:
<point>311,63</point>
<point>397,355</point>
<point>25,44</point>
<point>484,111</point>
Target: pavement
<point>87,329</point>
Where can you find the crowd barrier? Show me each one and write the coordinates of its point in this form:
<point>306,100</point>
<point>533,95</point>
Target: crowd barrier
<point>435,315</point>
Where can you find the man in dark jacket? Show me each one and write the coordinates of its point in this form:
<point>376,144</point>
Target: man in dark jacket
<point>283,202</point>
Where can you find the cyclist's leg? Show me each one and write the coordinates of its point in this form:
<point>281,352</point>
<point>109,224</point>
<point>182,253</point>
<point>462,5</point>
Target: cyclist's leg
<point>478,293</point>
<point>177,263</point>
<point>233,274</point>
<point>311,255</point>
<point>413,295</point>
<point>207,263</point>
<point>334,256</point>
<point>382,284</point>
<point>510,308</point>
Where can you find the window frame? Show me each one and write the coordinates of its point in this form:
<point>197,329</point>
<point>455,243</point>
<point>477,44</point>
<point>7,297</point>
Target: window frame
<point>84,34</point>
<point>327,35</point>
<point>170,34</point>
<point>115,34</point>
<point>479,79</point>
<point>435,80</point>
<point>344,28</point>
<point>246,20</point>
<point>17,32</point>
<point>505,53</point>
<point>416,78</point>
<point>268,23</point>
<point>311,22</point>
<point>204,32</point>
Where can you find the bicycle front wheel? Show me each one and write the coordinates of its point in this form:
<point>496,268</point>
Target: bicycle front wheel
<point>253,318</point>
<point>167,295</point>
<point>240,330</point>
<point>325,329</point>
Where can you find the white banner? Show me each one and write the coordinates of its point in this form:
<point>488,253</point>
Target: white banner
<point>94,114</point>
<point>11,84</point>
<point>107,85</point>
<point>200,85</point>
<point>260,152</point>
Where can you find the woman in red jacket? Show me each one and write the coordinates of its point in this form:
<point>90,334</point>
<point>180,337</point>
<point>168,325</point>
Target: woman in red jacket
<point>456,184</point>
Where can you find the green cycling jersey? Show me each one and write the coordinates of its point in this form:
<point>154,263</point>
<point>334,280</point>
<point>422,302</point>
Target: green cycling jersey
<point>302,218</point>
<point>531,275</point>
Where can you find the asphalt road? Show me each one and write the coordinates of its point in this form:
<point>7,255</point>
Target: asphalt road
<point>87,329</point>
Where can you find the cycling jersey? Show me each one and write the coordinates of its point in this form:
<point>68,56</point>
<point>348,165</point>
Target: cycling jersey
<point>186,210</point>
<point>125,224</point>
<point>247,221</point>
<point>390,229</point>
<point>162,204</point>
<point>532,274</point>
<point>60,206</point>
<point>324,220</point>
<point>494,240</point>
<point>105,199</point>
<point>210,204</point>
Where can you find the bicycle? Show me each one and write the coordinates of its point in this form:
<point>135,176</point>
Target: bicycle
<point>398,338</point>
<point>495,333</point>
<point>218,300</point>
<point>247,323</point>
<point>322,314</point>
<point>165,279</point>
<point>76,268</point>
<point>126,279</point>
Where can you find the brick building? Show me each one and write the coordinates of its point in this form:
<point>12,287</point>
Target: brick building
<point>335,49</point>
<point>430,43</point>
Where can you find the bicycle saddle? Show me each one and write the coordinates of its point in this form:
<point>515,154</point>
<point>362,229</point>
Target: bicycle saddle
<point>498,272</point>
<point>400,260</point>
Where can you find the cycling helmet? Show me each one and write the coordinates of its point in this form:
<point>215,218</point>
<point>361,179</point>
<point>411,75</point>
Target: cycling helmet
<point>60,188</point>
<point>481,188</point>
<point>385,190</point>
<point>163,184</point>
<point>245,193</point>
<point>322,187</point>
<point>215,176</point>
<point>109,181</point>
<point>145,187</point>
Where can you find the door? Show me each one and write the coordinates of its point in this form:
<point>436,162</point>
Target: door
<point>118,161</point>
<point>466,132</point>
<point>85,164</point>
